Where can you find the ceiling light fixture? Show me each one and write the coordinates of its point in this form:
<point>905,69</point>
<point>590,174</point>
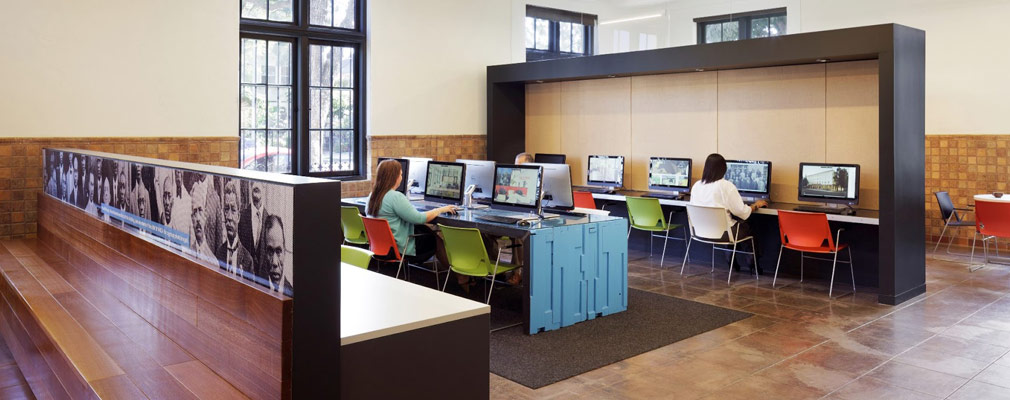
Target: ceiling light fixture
<point>617,21</point>
<point>699,70</point>
<point>823,60</point>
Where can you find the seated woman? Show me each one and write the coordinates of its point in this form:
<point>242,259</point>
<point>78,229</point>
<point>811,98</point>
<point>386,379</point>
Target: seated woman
<point>387,203</point>
<point>714,191</point>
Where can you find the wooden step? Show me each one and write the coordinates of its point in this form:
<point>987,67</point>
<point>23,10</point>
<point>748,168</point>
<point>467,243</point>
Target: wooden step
<point>95,344</point>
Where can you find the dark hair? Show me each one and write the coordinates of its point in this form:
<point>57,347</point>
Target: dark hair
<point>715,168</point>
<point>385,180</point>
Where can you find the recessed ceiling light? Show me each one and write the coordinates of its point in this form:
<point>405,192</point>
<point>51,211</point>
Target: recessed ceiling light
<point>611,76</point>
<point>823,60</point>
<point>699,69</point>
<point>539,81</point>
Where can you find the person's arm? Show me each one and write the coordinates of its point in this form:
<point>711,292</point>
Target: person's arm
<point>734,203</point>
<point>406,211</point>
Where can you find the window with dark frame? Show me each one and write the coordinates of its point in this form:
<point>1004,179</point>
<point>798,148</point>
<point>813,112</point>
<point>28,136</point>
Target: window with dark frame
<point>301,87</point>
<point>741,26</point>
<point>552,33</point>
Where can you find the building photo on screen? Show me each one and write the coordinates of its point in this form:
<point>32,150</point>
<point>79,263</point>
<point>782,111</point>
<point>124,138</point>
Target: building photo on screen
<point>516,186</point>
<point>668,172</point>
<point>828,181</point>
<point>444,180</point>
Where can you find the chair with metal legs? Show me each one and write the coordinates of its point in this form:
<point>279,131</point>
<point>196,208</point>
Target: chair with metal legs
<point>951,219</point>
<point>810,233</point>
<point>646,214</point>
<point>382,243</point>
<point>992,221</point>
<point>711,225</point>
<point>468,256</point>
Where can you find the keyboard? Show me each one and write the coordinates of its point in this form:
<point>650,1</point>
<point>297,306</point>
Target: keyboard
<point>594,189</point>
<point>664,196</point>
<point>825,210</point>
<point>501,219</point>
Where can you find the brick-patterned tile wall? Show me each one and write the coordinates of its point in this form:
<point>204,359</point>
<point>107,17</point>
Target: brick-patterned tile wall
<point>438,147</point>
<point>963,165</point>
<point>21,167</point>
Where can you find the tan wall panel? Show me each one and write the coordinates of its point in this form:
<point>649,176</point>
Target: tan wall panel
<point>853,124</point>
<point>774,114</point>
<point>543,118</point>
<point>672,115</point>
<point>595,119</point>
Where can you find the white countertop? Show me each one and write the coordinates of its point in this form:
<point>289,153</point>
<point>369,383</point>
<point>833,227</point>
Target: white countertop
<point>990,197</point>
<point>767,210</point>
<point>374,305</point>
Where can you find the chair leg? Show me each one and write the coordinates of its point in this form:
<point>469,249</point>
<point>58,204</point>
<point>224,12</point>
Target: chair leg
<point>971,260</point>
<point>833,264</point>
<point>802,254</point>
<point>754,255</point>
<point>402,259</point>
<point>951,241</point>
<point>447,273</point>
<point>938,241</point>
<point>686,253</point>
<point>732,259</point>
<point>852,271</point>
<point>777,263</point>
<point>650,244</point>
<point>490,292</point>
<point>713,258</point>
<point>435,271</point>
<point>663,257</point>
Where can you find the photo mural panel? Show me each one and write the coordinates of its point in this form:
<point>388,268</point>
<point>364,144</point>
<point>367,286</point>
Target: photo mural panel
<point>241,226</point>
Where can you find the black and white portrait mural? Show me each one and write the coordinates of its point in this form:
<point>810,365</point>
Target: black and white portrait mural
<point>240,226</point>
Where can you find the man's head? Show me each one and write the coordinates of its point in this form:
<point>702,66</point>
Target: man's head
<point>199,198</point>
<point>143,203</point>
<point>523,158</point>
<point>106,192</point>
<point>230,209</point>
<point>168,198</point>
<point>273,246</point>
<point>256,193</point>
<point>121,190</point>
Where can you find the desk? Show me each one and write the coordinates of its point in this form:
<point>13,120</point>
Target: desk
<point>575,267</point>
<point>413,334</point>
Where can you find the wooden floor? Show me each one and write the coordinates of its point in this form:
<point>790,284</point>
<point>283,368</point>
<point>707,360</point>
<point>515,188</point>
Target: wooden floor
<point>951,342</point>
<point>12,383</point>
<point>118,353</point>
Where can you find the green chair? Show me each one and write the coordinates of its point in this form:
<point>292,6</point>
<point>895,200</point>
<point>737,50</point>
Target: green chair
<point>468,256</point>
<point>354,229</point>
<point>355,256</point>
<point>646,214</point>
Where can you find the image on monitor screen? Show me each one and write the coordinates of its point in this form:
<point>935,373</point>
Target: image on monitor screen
<point>749,176</point>
<point>517,185</point>
<point>445,180</point>
<point>669,173</point>
<point>824,181</point>
<point>606,170</point>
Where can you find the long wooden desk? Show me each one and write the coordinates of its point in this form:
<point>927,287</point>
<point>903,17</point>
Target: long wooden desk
<point>415,334</point>
<point>575,267</point>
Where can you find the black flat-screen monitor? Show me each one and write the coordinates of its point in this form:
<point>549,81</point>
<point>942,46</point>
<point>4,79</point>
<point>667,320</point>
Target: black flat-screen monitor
<point>752,178</point>
<point>670,174</point>
<point>606,171</point>
<point>543,158</point>
<point>404,171</point>
<point>829,183</point>
<point>444,182</point>
<point>479,173</point>
<point>517,187</point>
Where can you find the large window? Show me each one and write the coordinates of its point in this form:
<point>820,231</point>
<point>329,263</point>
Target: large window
<point>301,87</point>
<point>554,33</point>
<point>750,25</point>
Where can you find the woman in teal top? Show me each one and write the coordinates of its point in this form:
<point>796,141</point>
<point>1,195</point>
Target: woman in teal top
<point>387,203</point>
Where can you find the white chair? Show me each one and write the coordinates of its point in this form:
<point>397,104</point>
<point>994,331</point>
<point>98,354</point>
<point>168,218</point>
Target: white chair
<point>710,225</point>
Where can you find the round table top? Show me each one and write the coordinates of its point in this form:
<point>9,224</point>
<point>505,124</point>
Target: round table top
<point>990,197</point>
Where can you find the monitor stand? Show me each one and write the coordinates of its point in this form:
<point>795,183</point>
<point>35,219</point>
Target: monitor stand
<point>827,208</point>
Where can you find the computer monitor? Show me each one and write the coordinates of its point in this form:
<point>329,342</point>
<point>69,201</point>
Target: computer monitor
<point>670,174</point>
<point>606,171</point>
<point>444,182</point>
<point>752,178</point>
<point>417,175</point>
<point>404,170</point>
<point>829,183</point>
<point>543,158</point>
<point>479,173</point>
<point>517,187</point>
<point>557,185</point>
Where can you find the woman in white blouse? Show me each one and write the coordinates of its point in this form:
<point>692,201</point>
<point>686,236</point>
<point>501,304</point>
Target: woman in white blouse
<point>714,191</point>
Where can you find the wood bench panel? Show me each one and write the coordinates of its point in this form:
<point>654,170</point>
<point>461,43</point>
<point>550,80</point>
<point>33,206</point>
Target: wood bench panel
<point>203,384</point>
<point>117,387</point>
<point>225,329</point>
<point>40,377</point>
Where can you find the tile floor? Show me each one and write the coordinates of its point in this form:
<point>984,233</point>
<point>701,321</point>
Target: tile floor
<point>951,342</point>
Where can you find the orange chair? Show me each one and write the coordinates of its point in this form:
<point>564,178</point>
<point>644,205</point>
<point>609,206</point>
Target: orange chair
<point>383,244</point>
<point>992,221</point>
<point>809,233</point>
<point>584,200</point>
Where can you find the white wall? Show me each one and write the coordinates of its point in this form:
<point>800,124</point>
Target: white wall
<point>966,78</point>
<point>118,68</point>
<point>427,64</point>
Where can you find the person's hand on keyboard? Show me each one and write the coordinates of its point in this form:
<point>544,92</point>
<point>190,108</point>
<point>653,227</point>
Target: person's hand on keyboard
<point>759,204</point>
<point>448,210</point>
